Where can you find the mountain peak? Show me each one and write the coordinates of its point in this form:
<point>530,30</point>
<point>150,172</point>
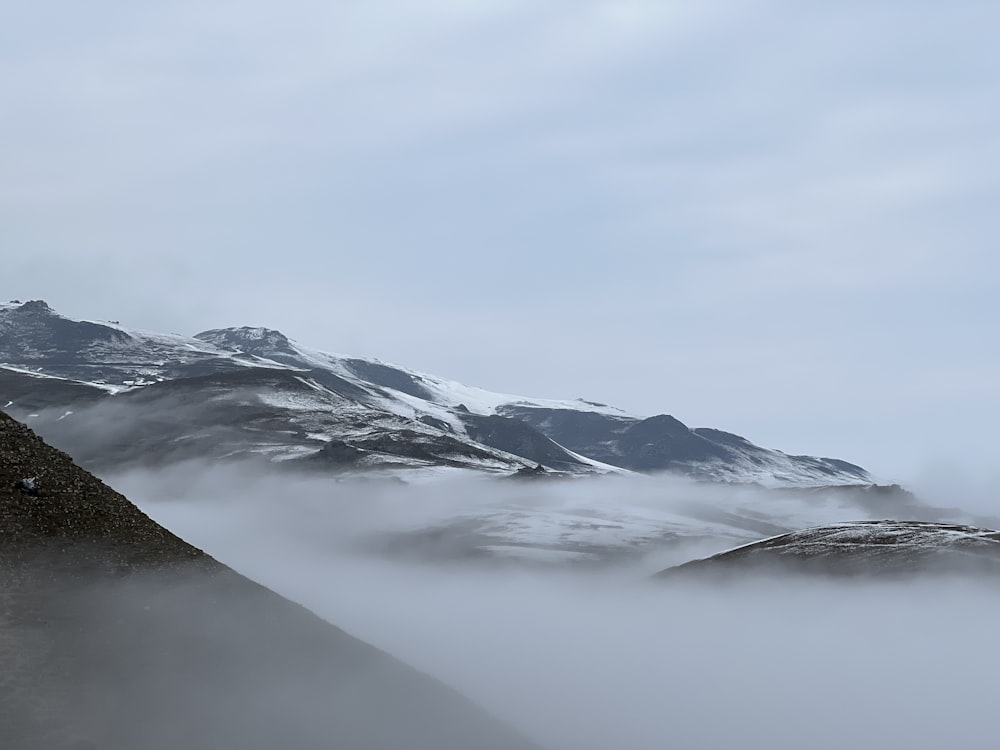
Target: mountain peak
<point>663,424</point>
<point>37,306</point>
<point>34,334</point>
<point>249,339</point>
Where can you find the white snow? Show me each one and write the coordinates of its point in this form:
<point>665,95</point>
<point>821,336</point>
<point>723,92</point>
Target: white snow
<point>35,374</point>
<point>481,401</point>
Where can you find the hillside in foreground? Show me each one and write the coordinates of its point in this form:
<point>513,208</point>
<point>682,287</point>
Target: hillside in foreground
<point>117,635</point>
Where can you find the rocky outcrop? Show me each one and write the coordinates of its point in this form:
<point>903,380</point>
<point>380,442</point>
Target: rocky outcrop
<point>858,548</point>
<point>664,443</point>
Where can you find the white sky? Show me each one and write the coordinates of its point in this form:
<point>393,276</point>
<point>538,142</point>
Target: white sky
<point>776,218</point>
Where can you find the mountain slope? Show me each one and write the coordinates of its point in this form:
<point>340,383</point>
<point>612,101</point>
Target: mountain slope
<point>253,392</point>
<point>663,443</point>
<point>115,634</point>
<point>859,548</point>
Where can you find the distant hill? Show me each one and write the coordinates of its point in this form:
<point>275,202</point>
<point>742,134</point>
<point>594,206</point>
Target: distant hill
<point>858,548</point>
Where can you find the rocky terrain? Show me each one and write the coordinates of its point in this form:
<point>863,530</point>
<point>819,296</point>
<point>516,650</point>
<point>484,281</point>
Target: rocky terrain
<point>117,635</point>
<point>115,396</point>
<point>860,548</point>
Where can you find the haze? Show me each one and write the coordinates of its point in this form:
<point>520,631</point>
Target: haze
<point>586,658</point>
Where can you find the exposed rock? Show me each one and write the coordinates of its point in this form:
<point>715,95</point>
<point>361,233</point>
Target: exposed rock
<point>664,443</point>
<point>388,377</point>
<point>519,438</point>
<point>858,548</point>
<point>530,472</point>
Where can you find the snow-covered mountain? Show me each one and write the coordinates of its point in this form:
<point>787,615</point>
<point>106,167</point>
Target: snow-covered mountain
<point>115,396</point>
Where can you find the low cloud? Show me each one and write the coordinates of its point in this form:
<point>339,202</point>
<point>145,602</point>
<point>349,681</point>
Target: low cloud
<point>582,657</point>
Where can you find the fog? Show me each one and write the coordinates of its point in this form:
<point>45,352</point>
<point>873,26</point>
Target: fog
<point>585,652</point>
<point>197,657</point>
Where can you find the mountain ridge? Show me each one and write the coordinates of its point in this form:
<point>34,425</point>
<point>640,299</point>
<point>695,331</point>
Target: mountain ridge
<point>363,404</point>
<point>857,548</point>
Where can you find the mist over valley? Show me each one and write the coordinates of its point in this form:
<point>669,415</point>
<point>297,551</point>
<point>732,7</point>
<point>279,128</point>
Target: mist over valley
<point>586,577</point>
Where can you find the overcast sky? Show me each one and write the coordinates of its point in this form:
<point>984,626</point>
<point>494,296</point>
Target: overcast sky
<point>777,218</point>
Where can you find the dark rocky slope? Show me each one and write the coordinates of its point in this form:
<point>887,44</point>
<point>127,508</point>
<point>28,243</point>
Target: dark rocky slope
<point>117,635</point>
<point>664,443</point>
<point>859,548</point>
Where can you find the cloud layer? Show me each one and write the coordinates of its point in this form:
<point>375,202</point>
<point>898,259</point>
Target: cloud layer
<point>585,659</point>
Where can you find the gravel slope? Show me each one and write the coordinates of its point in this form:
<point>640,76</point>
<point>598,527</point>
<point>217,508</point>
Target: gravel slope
<point>117,635</point>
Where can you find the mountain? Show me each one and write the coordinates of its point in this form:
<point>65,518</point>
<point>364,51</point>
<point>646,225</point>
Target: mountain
<point>663,443</point>
<point>116,396</point>
<point>116,634</point>
<point>859,548</point>
<point>632,522</point>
